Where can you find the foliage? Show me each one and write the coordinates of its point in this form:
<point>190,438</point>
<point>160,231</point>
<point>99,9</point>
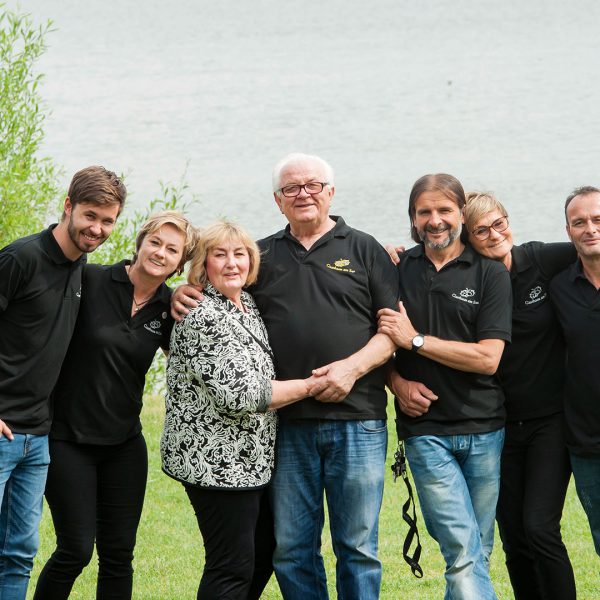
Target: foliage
<point>121,244</point>
<point>28,183</point>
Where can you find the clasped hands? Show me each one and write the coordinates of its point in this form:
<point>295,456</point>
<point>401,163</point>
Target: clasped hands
<point>329,383</point>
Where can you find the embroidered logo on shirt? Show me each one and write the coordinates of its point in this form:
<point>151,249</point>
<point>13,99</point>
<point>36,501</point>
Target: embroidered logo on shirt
<point>341,264</point>
<point>536,294</point>
<point>465,296</point>
<point>153,327</point>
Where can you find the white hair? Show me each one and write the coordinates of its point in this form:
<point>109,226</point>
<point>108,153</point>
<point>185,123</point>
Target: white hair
<point>299,158</point>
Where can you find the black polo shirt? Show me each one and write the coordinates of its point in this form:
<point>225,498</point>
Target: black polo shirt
<point>319,306</point>
<point>468,300</point>
<point>40,290</point>
<point>577,305</point>
<point>532,369</point>
<point>98,397</point>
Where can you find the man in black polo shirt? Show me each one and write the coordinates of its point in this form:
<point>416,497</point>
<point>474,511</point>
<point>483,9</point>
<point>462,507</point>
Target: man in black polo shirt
<point>40,288</point>
<point>319,288</point>
<point>454,319</point>
<point>576,296</point>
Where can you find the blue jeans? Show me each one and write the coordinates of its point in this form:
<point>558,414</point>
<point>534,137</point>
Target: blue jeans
<point>586,471</point>
<point>458,479</point>
<point>23,468</point>
<point>346,459</point>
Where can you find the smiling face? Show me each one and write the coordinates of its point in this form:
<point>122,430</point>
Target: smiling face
<point>499,243</point>
<point>89,225</point>
<point>583,224</point>
<point>437,220</point>
<point>305,209</point>
<point>227,267</point>
<point>160,252</point>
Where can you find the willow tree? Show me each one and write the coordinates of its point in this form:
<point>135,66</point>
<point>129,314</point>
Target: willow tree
<point>28,181</point>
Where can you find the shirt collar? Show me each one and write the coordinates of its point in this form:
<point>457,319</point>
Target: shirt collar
<point>520,259</point>
<point>52,247</point>
<point>466,256</point>
<point>119,273</point>
<point>576,271</point>
<point>340,229</point>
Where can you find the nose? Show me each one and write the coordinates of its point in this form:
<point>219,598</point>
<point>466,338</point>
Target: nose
<point>96,228</point>
<point>435,219</point>
<point>230,260</point>
<point>303,193</point>
<point>591,227</point>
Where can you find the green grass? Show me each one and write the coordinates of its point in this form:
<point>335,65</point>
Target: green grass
<point>168,558</point>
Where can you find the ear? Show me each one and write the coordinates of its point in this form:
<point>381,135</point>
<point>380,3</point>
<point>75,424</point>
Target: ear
<point>331,192</point>
<point>568,231</point>
<point>278,201</point>
<point>67,207</point>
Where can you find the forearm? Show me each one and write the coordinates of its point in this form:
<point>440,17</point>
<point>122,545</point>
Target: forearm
<point>375,353</point>
<point>287,392</point>
<point>480,357</point>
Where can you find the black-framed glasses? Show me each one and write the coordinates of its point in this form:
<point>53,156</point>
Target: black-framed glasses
<point>294,189</point>
<point>483,232</point>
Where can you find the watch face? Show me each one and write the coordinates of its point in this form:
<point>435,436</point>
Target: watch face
<point>418,341</point>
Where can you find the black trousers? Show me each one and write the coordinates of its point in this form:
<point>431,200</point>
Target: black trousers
<point>95,494</point>
<point>534,478</point>
<point>237,529</point>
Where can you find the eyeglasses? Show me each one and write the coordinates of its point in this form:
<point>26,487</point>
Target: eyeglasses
<point>312,187</point>
<point>483,233</point>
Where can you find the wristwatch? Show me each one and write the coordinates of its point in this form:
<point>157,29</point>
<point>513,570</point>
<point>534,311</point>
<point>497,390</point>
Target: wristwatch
<point>417,342</point>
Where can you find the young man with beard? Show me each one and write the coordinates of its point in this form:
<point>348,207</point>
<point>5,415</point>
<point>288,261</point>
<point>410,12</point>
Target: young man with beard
<point>40,289</point>
<point>454,319</point>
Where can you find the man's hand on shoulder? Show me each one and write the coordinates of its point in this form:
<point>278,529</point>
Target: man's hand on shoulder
<point>5,430</point>
<point>394,252</point>
<point>185,298</point>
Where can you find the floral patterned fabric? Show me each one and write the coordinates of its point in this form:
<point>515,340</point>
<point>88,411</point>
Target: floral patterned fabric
<point>218,376</point>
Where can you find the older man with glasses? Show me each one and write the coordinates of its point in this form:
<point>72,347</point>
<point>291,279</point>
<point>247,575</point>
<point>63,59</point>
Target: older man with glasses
<point>319,288</point>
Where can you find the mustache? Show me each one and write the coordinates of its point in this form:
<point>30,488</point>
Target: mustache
<point>438,229</point>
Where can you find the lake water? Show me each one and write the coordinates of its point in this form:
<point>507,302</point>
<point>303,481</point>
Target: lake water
<point>504,95</point>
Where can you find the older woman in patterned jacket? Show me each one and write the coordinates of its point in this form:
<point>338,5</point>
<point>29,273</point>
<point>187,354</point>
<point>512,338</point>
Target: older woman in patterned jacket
<point>220,422</point>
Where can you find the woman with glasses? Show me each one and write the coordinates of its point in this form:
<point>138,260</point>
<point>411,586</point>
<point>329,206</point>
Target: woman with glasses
<point>535,469</point>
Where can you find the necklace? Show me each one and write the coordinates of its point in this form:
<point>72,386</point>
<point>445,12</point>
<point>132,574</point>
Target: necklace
<point>138,305</point>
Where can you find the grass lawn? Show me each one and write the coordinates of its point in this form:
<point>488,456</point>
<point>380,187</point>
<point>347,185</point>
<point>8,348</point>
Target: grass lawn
<point>169,556</point>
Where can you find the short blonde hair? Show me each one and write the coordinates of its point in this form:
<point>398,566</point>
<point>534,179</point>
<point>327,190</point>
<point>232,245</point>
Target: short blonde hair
<point>478,205</point>
<point>211,237</point>
<point>180,222</point>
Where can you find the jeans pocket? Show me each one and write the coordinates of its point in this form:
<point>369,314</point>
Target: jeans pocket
<point>373,425</point>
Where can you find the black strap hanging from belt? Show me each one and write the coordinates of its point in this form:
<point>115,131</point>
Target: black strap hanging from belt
<point>399,469</point>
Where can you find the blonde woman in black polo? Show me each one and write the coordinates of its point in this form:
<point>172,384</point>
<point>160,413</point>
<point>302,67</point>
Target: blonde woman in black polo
<point>99,462</point>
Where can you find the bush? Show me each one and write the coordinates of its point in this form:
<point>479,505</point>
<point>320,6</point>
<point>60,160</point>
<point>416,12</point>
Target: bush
<point>28,183</point>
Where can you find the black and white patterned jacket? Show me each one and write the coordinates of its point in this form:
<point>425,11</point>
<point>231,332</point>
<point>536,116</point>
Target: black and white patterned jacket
<point>218,377</point>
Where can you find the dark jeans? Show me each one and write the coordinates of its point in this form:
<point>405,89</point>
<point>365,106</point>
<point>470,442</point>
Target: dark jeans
<point>237,529</point>
<point>535,474</point>
<point>95,493</point>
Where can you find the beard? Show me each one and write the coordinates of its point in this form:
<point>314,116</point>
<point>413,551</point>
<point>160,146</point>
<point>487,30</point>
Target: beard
<point>453,234</point>
<point>81,243</point>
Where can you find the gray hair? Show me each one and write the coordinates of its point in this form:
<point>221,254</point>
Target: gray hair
<point>299,158</point>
